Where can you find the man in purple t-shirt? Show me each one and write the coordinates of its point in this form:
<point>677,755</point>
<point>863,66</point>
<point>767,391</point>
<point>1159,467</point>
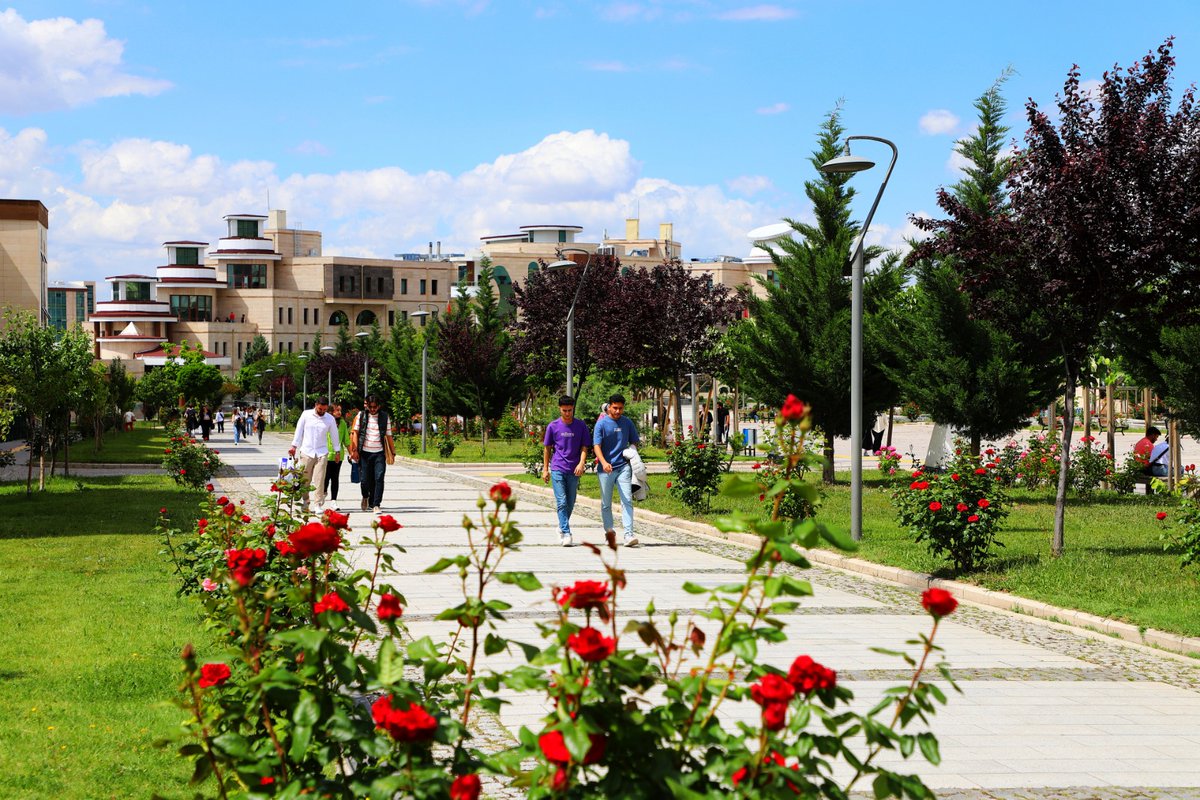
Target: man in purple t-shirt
<point>564,457</point>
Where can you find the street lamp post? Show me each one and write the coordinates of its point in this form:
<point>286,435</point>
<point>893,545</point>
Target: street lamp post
<point>695,407</point>
<point>329,392</point>
<point>284,374</point>
<point>270,394</point>
<point>362,338</point>
<point>842,164</point>
<point>424,376</point>
<point>304,392</point>
<point>565,264</point>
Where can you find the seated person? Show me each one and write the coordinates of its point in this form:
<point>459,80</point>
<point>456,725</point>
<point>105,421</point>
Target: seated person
<point>1145,446</point>
<point>1159,459</point>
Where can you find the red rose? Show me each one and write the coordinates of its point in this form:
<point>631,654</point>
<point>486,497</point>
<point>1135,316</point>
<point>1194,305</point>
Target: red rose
<point>270,529</point>
<point>740,776</point>
<point>984,503</point>
<point>501,492</point>
<point>961,507</point>
<point>388,523</point>
<point>938,602</point>
<point>973,518</point>
<point>935,506</point>
<point>762,497</point>
<point>163,511</point>
<point>668,484</point>
<point>591,645</point>
<point>265,780</point>
<point>584,594</point>
<point>315,538</point>
<point>1161,515</point>
<point>244,563</point>
<point>982,471</point>
<point>214,674</point>
<point>560,780</point>
<point>389,607</point>
<point>466,787</point>
<point>209,487</point>
<point>793,410</point>
<point>285,547</point>
<point>807,676</point>
<point>245,517</point>
<point>955,477</point>
<point>923,485</point>
<point>757,466</point>
<point>774,716</point>
<point>554,748</point>
<point>330,602</point>
<point>335,520</point>
<point>230,509</point>
<point>772,688</point>
<point>222,500</point>
<point>700,446</point>
<point>413,724</point>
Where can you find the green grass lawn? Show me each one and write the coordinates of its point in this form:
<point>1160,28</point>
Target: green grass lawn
<point>143,445</point>
<point>1114,564</point>
<point>92,633</point>
<point>498,451</point>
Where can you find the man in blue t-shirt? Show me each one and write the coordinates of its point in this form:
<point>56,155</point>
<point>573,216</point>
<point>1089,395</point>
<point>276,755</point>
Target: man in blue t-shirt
<point>564,457</point>
<point>612,435</point>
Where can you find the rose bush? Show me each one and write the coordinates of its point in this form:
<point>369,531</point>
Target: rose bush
<point>698,465</point>
<point>323,692</point>
<point>956,513</point>
<point>189,462</point>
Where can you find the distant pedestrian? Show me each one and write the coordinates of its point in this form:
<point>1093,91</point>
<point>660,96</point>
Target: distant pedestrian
<point>239,423</point>
<point>371,445</point>
<point>219,417</point>
<point>615,432</point>
<point>564,458</point>
<point>260,425</point>
<point>333,469</point>
<point>316,431</point>
<point>189,419</point>
<point>206,422</point>
<point>722,423</point>
<point>128,420</point>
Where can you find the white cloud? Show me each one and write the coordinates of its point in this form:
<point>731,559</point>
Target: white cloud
<point>750,184</point>
<point>937,122</point>
<point>310,147</point>
<point>897,237</point>
<point>607,66</point>
<point>58,63</point>
<point>135,194</point>
<point>759,13</point>
<point>774,108</point>
<point>628,12</point>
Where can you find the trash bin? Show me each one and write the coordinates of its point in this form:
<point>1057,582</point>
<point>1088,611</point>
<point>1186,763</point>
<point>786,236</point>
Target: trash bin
<point>749,440</point>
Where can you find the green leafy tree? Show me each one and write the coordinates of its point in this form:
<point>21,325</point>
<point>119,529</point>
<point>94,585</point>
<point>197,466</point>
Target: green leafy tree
<point>121,386</point>
<point>806,311</point>
<point>158,391</point>
<point>961,369</point>
<point>258,349</point>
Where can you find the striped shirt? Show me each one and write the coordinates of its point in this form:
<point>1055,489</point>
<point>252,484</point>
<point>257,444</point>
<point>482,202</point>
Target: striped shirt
<point>372,442</point>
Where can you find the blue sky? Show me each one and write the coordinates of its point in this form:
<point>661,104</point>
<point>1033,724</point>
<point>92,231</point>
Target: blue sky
<point>387,125</point>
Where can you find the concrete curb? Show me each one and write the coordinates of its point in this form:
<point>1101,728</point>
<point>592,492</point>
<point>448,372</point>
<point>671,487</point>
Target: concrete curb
<point>1173,643</point>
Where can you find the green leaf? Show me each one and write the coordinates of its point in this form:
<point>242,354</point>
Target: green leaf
<point>745,648</point>
<point>309,639</point>
<point>681,792</point>
<point>692,588</point>
<point>838,538</point>
<point>307,710</point>
<point>796,587</point>
<point>233,745</point>
<point>442,563</point>
<point>738,485</point>
<point>493,644</point>
<point>929,748</point>
<point>422,649</point>
<point>526,580</point>
<point>391,667</point>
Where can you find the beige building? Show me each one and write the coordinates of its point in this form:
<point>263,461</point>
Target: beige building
<point>68,303</point>
<point>24,225</point>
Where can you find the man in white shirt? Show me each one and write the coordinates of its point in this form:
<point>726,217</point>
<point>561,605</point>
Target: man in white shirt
<point>315,430</point>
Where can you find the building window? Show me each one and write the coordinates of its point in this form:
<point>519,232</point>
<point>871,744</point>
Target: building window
<point>404,316</point>
<point>289,315</point>
<point>246,276</point>
<point>341,283</point>
<point>80,306</point>
<point>306,315</point>
<point>423,321</point>
<point>304,346</point>
<point>224,348</point>
<point>91,299</point>
<point>56,304</point>
<point>316,316</point>
<point>116,291</point>
<point>463,271</point>
<point>562,236</point>
<point>404,286</point>
<point>365,318</point>
<point>434,286</point>
<point>771,278</point>
<point>391,318</point>
<point>191,307</point>
<point>281,347</point>
<point>239,351</point>
<point>247,228</point>
<point>338,319</point>
<point>187,256</point>
<point>533,268</point>
<point>422,286</point>
<point>137,291</point>
<point>504,288</point>
<point>289,347</point>
<point>281,315</point>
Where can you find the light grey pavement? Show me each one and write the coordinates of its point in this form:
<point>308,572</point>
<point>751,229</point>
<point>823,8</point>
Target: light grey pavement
<point>1046,711</point>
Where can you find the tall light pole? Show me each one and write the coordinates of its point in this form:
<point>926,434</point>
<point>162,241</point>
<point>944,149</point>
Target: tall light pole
<point>565,264</point>
<point>424,376</point>
<point>329,392</point>
<point>695,407</point>
<point>843,164</point>
<point>270,394</point>
<point>284,373</point>
<point>304,365</point>
<point>362,339</point>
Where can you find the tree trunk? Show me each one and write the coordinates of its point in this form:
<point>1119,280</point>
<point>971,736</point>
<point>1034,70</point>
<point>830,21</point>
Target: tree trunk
<point>827,469</point>
<point>976,443</point>
<point>29,462</point>
<point>1112,415</point>
<point>891,418</point>
<point>1064,460</point>
<point>678,410</point>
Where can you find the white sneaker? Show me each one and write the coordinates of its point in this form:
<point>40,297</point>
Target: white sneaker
<point>376,510</point>
<point>566,540</point>
<point>631,541</point>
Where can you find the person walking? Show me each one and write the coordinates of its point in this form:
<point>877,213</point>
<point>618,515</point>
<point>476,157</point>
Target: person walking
<point>206,422</point>
<point>564,457</point>
<point>238,421</point>
<point>260,424</point>
<point>370,443</point>
<point>615,432</point>
<point>316,430</point>
<point>334,468</point>
<point>219,418</point>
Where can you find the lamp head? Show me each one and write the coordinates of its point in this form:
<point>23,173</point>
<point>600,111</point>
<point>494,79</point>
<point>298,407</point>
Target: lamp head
<point>362,334</point>
<point>846,163</point>
<point>419,314</point>
<point>562,265</point>
<point>328,348</point>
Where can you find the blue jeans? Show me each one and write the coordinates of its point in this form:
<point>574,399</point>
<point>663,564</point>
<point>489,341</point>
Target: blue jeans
<point>622,478</point>
<point>373,465</point>
<point>566,485</point>
<point>237,433</point>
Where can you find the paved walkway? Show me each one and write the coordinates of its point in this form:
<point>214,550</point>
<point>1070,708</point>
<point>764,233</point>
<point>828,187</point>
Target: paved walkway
<point>1047,711</point>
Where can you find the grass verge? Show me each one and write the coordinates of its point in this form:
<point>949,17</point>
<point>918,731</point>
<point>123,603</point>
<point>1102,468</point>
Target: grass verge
<point>499,451</point>
<point>1114,564</point>
<point>93,629</point>
<point>142,445</point>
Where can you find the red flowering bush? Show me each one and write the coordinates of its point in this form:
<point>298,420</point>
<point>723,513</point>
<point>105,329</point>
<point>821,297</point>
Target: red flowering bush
<point>957,513</point>
<point>698,469</point>
<point>1181,528</point>
<point>187,461</point>
<point>1090,465</point>
<point>335,704</point>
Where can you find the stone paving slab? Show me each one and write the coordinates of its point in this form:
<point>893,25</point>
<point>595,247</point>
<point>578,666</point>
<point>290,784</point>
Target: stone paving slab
<point>1047,712</point>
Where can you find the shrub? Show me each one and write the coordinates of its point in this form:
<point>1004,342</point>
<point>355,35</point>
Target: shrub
<point>323,693</point>
<point>188,461</point>
<point>957,513</point>
<point>1090,466</point>
<point>510,428</point>
<point>1038,463</point>
<point>697,466</point>
<point>1182,526</point>
<point>889,460</point>
<point>911,410</point>
<point>446,442</point>
<point>532,456</point>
